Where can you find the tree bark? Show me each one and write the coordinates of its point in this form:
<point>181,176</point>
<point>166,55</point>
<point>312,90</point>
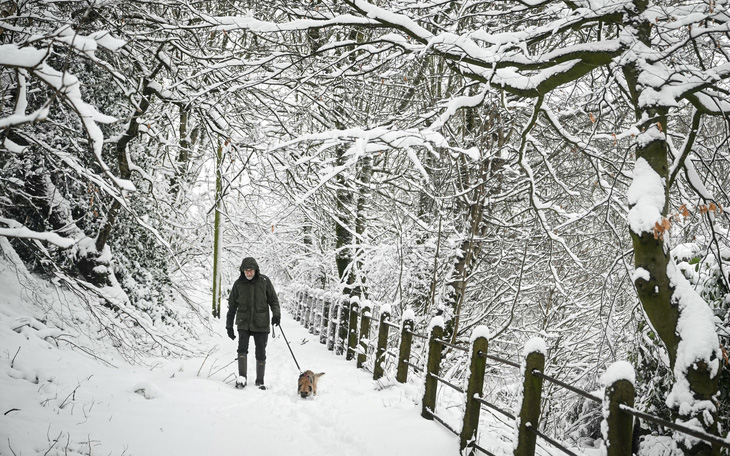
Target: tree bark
<point>343,227</point>
<point>123,162</point>
<point>217,234</point>
<point>365,173</point>
<point>658,295</point>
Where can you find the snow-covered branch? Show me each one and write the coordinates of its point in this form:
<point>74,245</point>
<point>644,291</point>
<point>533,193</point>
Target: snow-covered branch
<point>17,230</point>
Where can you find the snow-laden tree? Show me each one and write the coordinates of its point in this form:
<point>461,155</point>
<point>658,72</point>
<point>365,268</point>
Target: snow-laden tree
<point>105,130</point>
<point>525,165</point>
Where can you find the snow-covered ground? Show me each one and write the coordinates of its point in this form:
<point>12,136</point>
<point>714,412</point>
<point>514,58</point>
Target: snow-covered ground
<point>58,400</point>
<point>172,409</point>
<point>64,390</point>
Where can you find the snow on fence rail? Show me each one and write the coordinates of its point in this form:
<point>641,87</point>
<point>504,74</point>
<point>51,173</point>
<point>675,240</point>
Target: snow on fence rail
<point>335,319</point>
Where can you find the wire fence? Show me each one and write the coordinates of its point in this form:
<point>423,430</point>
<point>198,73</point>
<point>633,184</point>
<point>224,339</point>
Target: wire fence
<point>345,324</point>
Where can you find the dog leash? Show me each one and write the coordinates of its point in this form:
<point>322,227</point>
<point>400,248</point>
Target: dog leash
<point>289,346</point>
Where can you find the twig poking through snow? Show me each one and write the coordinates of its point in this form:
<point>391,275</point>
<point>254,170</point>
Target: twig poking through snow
<point>12,363</point>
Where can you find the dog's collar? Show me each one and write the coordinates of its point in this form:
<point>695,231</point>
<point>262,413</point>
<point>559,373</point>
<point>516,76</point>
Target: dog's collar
<point>304,374</point>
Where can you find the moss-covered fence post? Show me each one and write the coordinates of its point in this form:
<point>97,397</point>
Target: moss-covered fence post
<point>404,354</point>
<point>325,332</point>
<point>364,339</point>
<point>317,317</point>
<point>529,411</point>
<point>307,309</point>
<point>217,232</point>
<point>295,304</point>
<point>312,311</point>
<point>474,388</point>
<point>380,352</point>
<point>352,328</point>
<point>433,366</point>
<point>334,319</point>
<point>316,312</point>
<point>300,305</point>
<point>618,425</point>
<point>342,324</point>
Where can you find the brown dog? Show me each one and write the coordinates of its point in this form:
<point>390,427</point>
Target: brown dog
<point>307,383</point>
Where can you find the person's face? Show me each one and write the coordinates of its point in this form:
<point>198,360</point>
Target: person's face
<point>249,273</point>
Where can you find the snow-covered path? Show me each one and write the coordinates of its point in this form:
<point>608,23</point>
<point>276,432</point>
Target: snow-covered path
<point>348,416</point>
<point>84,404</point>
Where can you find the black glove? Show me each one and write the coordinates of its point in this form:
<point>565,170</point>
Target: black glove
<point>231,334</point>
<point>275,320</point>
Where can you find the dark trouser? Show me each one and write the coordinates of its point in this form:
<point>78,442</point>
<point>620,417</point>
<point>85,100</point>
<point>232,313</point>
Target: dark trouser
<point>260,339</point>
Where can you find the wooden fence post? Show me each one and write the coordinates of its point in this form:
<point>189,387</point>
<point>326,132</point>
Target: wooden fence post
<point>380,352</point>
<point>364,339</point>
<point>311,310</point>
<point>352,328</point>
<point>300,303</point>
<point>529,412</point>
<point>320,311</point>
<point>316,314</point>
<point>325,332</point>
<point>479,344</point>
<point>297,294</point>
<point>334,319</point>
<point>307,309</point>
<point>404,355</point>
<point>342,324</point>
<point>433,366</point>
<point>617,426</point>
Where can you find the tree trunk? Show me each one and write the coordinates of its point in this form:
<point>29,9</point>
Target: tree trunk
<point>123,162</point>
<point>663,306</point>
<point>470,247</point>
<point>187,140</point>
<point>343,227</point>
<point>661,293</point>
<point>217,234</point>
<point>365,174</point>
<point>473,207</point>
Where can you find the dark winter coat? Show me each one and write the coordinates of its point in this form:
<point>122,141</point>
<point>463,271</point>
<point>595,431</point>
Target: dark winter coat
<point>250,301</point>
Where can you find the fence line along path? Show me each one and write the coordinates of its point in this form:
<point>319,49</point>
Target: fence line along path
<point>344,325</point>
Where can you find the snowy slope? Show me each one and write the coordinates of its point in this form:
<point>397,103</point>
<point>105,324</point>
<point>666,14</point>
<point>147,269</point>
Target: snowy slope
<point>82,402</point>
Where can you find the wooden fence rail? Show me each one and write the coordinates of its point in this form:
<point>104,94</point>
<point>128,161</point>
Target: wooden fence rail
<point>335,319</point>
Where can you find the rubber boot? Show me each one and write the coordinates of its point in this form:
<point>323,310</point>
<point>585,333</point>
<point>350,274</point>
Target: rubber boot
<point>242,368</point>
<point>260,370</point>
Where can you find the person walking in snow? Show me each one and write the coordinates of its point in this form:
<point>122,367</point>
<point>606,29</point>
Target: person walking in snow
<point>251,299</point>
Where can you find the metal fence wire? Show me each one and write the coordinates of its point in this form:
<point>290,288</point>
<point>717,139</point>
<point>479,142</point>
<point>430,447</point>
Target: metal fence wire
<point>337,321</point>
